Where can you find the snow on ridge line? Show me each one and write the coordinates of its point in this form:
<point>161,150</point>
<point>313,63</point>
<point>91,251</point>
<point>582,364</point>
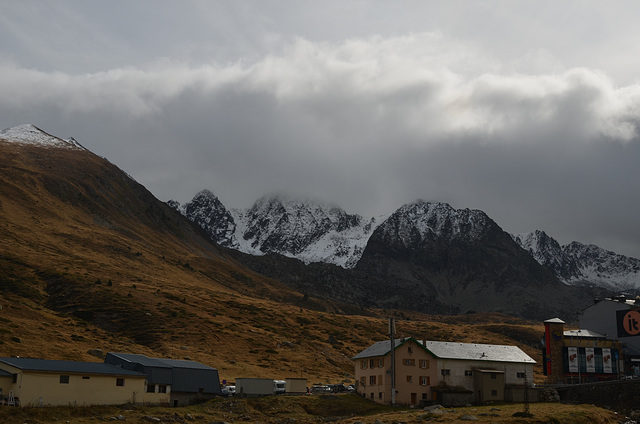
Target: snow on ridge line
<point>30,134</point>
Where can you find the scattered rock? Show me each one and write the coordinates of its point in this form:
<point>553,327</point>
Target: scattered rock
<point>431,407</point>
<point>150,418</point>
<point>469,418</point>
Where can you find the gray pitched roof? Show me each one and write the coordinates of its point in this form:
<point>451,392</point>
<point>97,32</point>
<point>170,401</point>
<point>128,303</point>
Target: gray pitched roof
<point>478,352</point>
<point>71,367</point>
<point>178,363</point>
<point>380,348</point>
<point>583,333</point>
<point>160,363</point>
<point>448,350</point>
<point>141,359</point>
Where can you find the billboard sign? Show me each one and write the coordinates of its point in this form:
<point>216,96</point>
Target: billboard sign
<point>591,359</point>
<point>628,322</point>
<point>607,361</point>
<point>573,359</point>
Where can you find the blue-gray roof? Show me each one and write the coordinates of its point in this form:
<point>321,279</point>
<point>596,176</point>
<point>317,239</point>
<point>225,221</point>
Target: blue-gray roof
<point>71,367</point>
<point>160,363</point>
<point>178,363</point>
<point>141,359</point>
<point>4,373</point>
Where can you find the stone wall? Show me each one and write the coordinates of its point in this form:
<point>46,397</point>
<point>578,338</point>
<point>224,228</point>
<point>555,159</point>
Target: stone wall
<point>617,395</point>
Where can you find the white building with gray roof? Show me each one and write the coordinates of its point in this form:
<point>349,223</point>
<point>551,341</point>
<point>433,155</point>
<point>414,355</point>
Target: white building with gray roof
<point>428,371</point>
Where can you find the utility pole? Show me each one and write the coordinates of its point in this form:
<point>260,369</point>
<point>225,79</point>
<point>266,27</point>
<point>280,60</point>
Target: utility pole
<point>392,332</point>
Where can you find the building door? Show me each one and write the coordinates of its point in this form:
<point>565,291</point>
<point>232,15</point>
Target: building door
<point>414,398</point>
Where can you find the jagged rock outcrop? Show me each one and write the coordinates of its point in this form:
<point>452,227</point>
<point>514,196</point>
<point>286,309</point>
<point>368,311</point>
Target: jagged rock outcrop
<point>581,264</point>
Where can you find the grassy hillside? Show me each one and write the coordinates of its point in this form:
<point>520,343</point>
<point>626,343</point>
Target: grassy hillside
<point>89,259</point>
<point>348,409</point>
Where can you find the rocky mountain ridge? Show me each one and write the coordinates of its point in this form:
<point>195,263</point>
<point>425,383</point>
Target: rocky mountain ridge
<point>581,264</point>
<point>303,229</point>
<point>312,232</point>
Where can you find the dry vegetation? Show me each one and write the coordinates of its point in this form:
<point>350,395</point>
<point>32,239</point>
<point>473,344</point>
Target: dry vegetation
<point>90,260</point>
<point>347,409</point>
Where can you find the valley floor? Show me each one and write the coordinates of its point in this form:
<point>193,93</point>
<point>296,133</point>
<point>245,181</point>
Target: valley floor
<point>349,409</point>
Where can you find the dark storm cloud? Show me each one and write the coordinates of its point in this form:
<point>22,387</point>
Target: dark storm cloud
<point>367,122</point>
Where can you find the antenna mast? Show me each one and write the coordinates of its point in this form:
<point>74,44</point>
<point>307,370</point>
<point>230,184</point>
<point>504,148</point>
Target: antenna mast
<point>392,330</point>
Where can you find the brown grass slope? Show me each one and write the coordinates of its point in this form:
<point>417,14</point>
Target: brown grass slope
<point>89,259</point>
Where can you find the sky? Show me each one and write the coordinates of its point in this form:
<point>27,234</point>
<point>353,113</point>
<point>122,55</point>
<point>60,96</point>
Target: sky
<point>527,110</point>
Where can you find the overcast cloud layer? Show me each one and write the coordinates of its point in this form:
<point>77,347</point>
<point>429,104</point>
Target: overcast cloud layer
<point>530,113</point>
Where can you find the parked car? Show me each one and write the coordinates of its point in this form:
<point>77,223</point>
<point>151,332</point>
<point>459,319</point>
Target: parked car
<point>229,391</point>
<point>320,389</point>
<point>337,388</point>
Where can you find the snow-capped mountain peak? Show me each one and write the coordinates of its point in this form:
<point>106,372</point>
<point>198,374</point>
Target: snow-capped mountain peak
<point>30,134</point>
<point>420,220</point>
<point>306,229</point>
<point>206,210</point>
<point>577,263</point>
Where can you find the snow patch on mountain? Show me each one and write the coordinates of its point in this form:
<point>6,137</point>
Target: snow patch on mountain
<point>418,221</point>
<point>577,263</point>
<point>305,229</point>
<point>30,134</point>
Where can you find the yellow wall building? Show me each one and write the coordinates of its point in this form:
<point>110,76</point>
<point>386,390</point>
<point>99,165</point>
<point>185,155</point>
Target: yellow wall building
<point>40,382</point>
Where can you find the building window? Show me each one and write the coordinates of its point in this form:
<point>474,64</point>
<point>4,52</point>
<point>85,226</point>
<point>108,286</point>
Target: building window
<point>424,364</point>
<point>64,379</point>
<point>494,393</point>
<point>493,376</point>
<point>409,350</point>
<point>371,395</point>
<point>409,362</point>
<point>425,381</point>
<point>379,395</point>
<point>409,379</point>
<point>151,388</point>
<point>363,381</point>
<point>445,372</point>
<point>372,380</point>
<point>15,378</point>
<point>522,375</point>
<point>381,362</point>
<point>162,388</point>
<point>363,364</point>
<point>85,377</point>
<point>468,373</point>
<point>120,382</point>
<point>372,363</point>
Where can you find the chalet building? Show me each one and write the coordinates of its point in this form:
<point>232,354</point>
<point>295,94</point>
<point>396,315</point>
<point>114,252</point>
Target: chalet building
<point>443,372</point>
<point>174,382</point>
<point>579,356</point>
<point>40,382</point>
